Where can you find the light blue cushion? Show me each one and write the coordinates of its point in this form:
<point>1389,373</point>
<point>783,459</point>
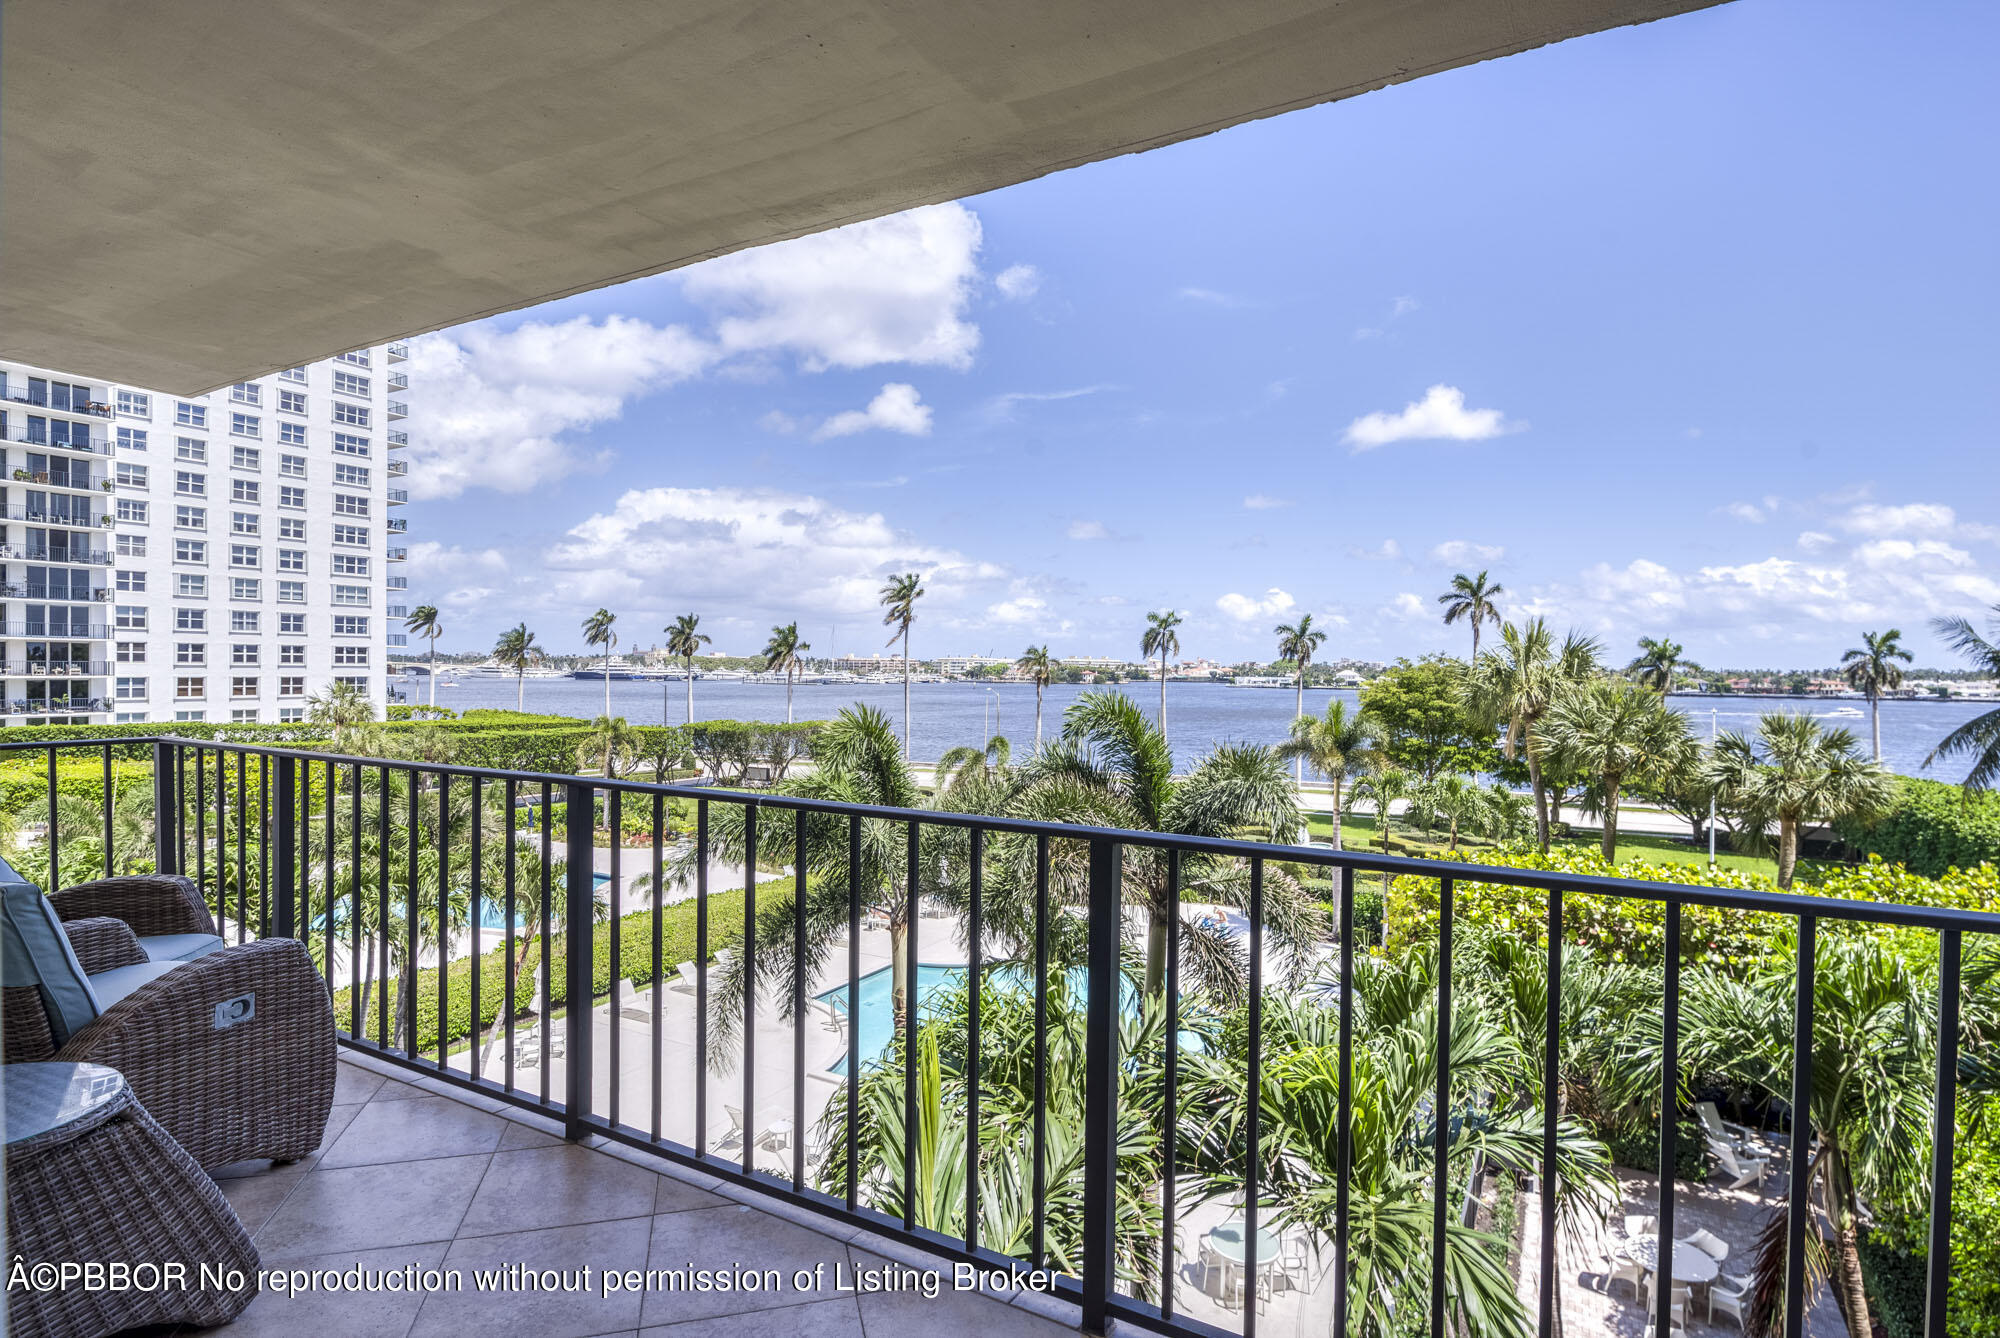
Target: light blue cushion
<point>35,951</point>
<point>179,947</point>
<point>113,985</point>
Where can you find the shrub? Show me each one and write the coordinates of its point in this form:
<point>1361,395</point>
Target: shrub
<point>1635,1145</point>
<point>1931,827</point>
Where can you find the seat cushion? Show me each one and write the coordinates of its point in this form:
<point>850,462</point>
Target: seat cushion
<point>113,985</point>
<point>179,947</point>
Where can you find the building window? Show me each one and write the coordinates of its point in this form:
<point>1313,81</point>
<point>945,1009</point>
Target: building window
<point>131,545</point>
<point>350,624</point>
<point>348,564</point>
<point>246,425</point>
<point>289,714</point>
<point>131,690</point>
<point>246,457</point>
<point>291,401</point>
<point>351,656</point>
<point>291,655</point>
<point>131,652</point>
<point>246,392</point>
<point>242,686</point>
<point>190,484</point>
<point>347,383</point>
<point>291,434</point>
<point>192,449</point>
<point>291,592</point>
<point>351,476</point>
<point>190,689</point>
<point>349,504</point>
<point>350,594</point>
<point>244,522</point>
<point>247,491</point>
<point>190,517</point>
<point>191,550</point>
<point>191,620</point>
<point>358,684</point>
<point>129,718</point>
<point>291,624</point>
<point>132,511</point>
<point>359,357</point>
<point>292,529</point>
<point>243,620</point>
<point>245,555</point>
<point>245,588</point>
<point>193,653</point>
<point>291,559</point>
<point>132,402</point>
<point>191,715</point>
<point>296,497</point>
<point>292,685</point>
<point>350,534</point>
<point>131,475</point>
<point>187,585</point>
<point>346,443</point>
<point>350,415</point>
<point>131,438</point>
<point>292,466</point>
<point>131,617</point>
<point>244,654</point>
<point>133,582</point>
<point>245,715</point>
<point>191,415</point>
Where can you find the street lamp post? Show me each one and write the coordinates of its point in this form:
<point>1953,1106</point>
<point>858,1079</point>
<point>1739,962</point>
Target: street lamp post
<point>994,728</point>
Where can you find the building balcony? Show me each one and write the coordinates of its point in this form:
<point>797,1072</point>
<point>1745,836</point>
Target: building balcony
<point>397,582</point>
<point>72,557</point>
<point>398,639</point>
<point>18,590</point>
<point>398,525</point>
<point>40,515</point>
<point>399,380</point>
<point>75,480</point>
<point>398,555</point>
<point>92,409</point>
<point>399,353</point>
<point>61,706</point>
<point>398,468</point>
<point>40,632</point>
<point>398,439</point>
<point>34,669</point>
<point>22,435</point>
<point>398,409</point>
<point>399,497</point>
<point>397,611</point>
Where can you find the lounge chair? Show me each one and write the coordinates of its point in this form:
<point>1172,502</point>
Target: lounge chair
<point>690,978</point>
<point>1729,1295</point>
<point>1713,1125</point>
<point>1743,1168</point>
<point>1710,1244</point>
<point>231,1049</point>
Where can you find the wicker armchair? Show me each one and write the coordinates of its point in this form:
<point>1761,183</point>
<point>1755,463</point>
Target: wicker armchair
<point>231,1048</point>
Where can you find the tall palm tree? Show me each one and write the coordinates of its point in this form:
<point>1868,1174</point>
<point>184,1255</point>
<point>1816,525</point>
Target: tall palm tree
<point>1516,686</point>
<point>1162,640</point>
<point>1793,773</point>
<point>1871,668</point>
<point>1037,665</point>
<point>1656,663</point>
<point>597,632</point>
<point>1381,787</point>
<point>424,623</point>
<point>517,650</point>
<point>1979,736</point>
<point>1297,643</point>
<point>1337,745</point>
<point>785,652</point>
<point>965,766</point>
<point>1471,598</point>
<point>346,709</point>
<point>683,640</point>
<point>610,738</point>
<point>899,603</point>
<point>1618,734</point>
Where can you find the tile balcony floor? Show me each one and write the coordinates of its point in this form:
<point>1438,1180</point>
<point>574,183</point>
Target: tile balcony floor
<point>414,1172</point>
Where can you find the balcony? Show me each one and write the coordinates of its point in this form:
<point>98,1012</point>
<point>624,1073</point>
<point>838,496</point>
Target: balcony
<point>399,497</point>
<point>398,525</point>
<point>40,515</point>
<point>40,632</point>
<point>62,706</point>
<point>58,556</point>
<point>18,590</point>
<point>75,480</point>
<point>398,439</point>
<point>397,611</point>
<point>398,468</point>
<point>397,582</point>
<point>86,446</point>
<point>399,353</point>
<point>399,380</point>
<point>720,1118</point>
<point>398,555</point>
<point>91,409</point>
<point>36,669</point>
<point>398,409</point>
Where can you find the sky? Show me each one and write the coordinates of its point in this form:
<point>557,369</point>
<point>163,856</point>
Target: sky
<point>1676,330</point>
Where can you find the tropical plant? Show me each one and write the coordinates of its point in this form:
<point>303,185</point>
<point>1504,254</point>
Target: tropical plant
<point>1452,801</point>
<point>1417,710</point>
<point>1337,745</point>
<point>964,767</point>
<point>1036,663</point>
<point>1656,663</point>
<point>1381,787</point>
<point>609,740</point>
<point>684,640</point>
<point>1617,733</point>
<point>1515,687</point>
<point>785,653</point>
<point>1298,642</point>
<point>1794,772</point>
<point>899,604</point>
<point>346,709</point>
<point>1871,669</point>
<point>597,632</point>
<point>1471,598</point>
<point>1162,639</point>
<point>517,650</point>
<point>1980,736</point>
<point>423,622</point>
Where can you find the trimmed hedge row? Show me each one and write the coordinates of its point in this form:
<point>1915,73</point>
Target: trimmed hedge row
<point>1931,828</point>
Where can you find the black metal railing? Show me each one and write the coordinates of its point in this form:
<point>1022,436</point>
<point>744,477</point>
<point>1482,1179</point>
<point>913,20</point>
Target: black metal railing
<point>386,864</point>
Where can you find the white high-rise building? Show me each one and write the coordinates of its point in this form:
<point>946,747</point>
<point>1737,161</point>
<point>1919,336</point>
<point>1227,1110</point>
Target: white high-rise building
<point>222,557</point>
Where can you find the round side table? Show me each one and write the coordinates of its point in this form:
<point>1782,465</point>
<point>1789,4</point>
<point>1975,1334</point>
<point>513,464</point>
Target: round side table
<point>93,1179</point>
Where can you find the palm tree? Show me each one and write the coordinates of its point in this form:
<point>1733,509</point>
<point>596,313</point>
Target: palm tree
<point>517,650</point>
<point>610,738</point>
<point>1656,663</point>
<point>1297,644</point>
<point>1793,773</point>
<point>1616,733</point>
<point>785,652</point>
<point>597,632</point>
<point>1162,640</point>
<point>1380,787</point>
<point>1037,665</point>
<point>424,622</point>
<point>899,602</point>
<point>344,707</point>
<point>1471,598</point>
<point>1336,745</point>
<point>683,640</point>
<point>1979,736</point>
<point>965,766</point>
<point>1871,668</point>
<point>1518,685</point>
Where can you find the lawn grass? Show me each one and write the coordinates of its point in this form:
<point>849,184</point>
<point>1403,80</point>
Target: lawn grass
<point>1359,833</point>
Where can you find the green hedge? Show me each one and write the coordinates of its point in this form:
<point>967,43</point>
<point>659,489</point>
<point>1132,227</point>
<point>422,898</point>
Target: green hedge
<point>1636,1146</point>
<point>24,786</point>
<point>1931,828</point>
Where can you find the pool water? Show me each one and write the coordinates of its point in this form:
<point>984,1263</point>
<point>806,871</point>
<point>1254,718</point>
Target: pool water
<point>877,1002</point>
<point>493,910</point>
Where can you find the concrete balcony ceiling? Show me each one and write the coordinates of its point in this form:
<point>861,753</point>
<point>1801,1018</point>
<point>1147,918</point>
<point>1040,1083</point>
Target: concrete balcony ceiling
<point>201,193</point>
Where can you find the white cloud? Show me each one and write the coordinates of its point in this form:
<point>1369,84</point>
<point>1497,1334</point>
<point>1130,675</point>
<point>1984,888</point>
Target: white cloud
<point>1258,501</point>
<point>1410,607</point>
<point>1746,511</point>
<point>1000,409</point>
<point>1918,518</point>
<point>1440,416</point>
<point>1018,283</point>
<point>891,289</point>
<point>1388,551</point>
<point>780,422</point>
<point>1210,297</point>
<point>1088,529</point>
<point>1020,609</point>
<point>1814,541</point>
<point>897,409</point>
<point>1461,550</point>
<point>1243,608</point>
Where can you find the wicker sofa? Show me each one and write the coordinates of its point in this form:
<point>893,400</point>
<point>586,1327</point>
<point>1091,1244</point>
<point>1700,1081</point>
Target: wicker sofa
<point>231,1049</point>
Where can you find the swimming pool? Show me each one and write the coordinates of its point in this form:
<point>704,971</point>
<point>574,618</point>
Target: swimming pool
<point>493,910</point>
<point>878,1006</point>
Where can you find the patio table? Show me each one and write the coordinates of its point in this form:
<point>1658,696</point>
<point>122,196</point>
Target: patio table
<point>1227,1241</point>
<point>1691,1265</point>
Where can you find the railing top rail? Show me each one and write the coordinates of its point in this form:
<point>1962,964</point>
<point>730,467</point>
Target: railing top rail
<point>1728,898</point>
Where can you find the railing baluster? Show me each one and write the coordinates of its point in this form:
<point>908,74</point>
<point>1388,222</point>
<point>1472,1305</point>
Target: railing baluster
<point>332,854</point>
<point>579,909</point>
<point>200,821</point>
<point>1441,1111</point>
<point>510,858</point>
<point>659,987</point>
<point>1545,1287</point>
<point>242,840</point>
<point>382,902</point>
<point>166,812</point>
<point>749,1129</point>
<point>473,915</point>
<point>222,845</point>
<point>412,977</point>
<point>442,938</point>
<point>1944,1128</point>
<point>1344,1112</point>
<point>1670,1028</point>
<point>354,915</point>
<point>854,1055</point>
<point>110,870</point>
<point>1100,1083</point>
<point>1039,1252</point>
<point>1168,1173</point>
<point>302,926</point>
<point>701,977</point>
<point>615,819</point>
<point>798,998</point>
<point>1254,1083</point>
<point>285,833</point>
<point>911,893</point>
<point>1800,1194</point>
<point>973,981</point>
<point>547,915</point>
<point>263,846</point>
<point>55,878</point>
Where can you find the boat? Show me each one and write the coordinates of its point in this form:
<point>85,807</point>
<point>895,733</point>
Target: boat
<point>1848,712</point>
<point>1262,681</point>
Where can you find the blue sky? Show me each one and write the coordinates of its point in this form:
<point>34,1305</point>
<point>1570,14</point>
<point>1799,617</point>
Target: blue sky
<point>1678,329</point>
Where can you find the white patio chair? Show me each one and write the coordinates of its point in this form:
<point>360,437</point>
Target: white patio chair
<point>690,978</point>
<point>1729,1295</point>
<point>1640,1224</point>
<point>733,1135</point>
<point>1624,1268</point>
<point>1715,1126</point>
<point>1682,1301</point>
<point>1295,1261</point>
<point>1710,1244</point>
<point>1743,1169</point>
